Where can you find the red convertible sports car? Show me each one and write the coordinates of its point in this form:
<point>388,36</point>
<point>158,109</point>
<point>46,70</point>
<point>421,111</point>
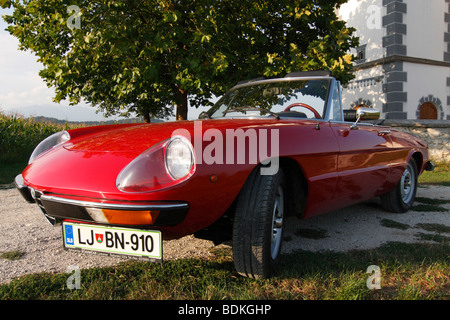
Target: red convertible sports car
<point>269,148</point>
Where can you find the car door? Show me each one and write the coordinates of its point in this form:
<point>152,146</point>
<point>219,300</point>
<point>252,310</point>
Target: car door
<point>363,161</point>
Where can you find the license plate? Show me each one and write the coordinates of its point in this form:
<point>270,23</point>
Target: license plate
<point>145,244</point>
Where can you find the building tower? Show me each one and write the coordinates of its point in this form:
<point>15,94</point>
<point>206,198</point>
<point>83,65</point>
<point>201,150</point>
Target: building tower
<point>403,66</point>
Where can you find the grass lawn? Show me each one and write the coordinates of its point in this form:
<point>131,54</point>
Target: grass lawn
<point>9,171</point>
<point>440,175</point>
<point>408,272</point>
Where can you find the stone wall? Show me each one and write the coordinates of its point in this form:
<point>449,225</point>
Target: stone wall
<point>435,132</point>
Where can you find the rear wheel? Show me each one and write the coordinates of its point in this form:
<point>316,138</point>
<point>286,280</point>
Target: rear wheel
<point>402,197</point>
<point>258,225</point>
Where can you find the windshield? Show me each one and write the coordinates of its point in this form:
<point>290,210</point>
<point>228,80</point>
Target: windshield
<point>266,98</point>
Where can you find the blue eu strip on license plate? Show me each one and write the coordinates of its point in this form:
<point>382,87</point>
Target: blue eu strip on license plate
<point>146,244</point>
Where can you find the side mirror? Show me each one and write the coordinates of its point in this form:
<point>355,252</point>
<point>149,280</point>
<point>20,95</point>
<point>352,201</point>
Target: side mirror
<point>365,114</point>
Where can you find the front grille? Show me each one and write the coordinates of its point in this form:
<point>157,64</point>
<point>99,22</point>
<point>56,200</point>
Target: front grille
<point>64,211</point>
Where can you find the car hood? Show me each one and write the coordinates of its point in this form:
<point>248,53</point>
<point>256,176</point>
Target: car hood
<point>129,139</point>
<point>139,137</point>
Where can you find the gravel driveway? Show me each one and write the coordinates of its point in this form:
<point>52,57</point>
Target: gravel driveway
<point>24,228</point>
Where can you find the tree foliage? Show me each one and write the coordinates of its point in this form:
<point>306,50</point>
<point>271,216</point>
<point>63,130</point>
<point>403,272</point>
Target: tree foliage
<point>145,56</point>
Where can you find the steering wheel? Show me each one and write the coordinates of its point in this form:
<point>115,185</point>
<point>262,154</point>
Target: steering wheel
<point>304,105</point>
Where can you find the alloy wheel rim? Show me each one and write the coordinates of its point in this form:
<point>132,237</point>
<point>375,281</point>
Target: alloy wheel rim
<point>407,185</point>
<point>277,223</point>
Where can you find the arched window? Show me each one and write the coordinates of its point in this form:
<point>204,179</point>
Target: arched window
<point>361,103</point>
<point>428,111</point>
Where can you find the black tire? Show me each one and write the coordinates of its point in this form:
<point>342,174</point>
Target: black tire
<point>258,225</point>
<point>402,197</point>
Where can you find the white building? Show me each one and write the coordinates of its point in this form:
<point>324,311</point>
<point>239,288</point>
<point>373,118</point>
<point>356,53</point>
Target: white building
<point>404,57</point>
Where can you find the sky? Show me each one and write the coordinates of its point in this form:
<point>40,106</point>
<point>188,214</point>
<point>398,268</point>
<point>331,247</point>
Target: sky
<point>23,91</point>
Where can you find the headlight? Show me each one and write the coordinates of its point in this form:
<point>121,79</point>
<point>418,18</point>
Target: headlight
<point>179,158</point>
<point>49,143</point>
<point>165,164</point>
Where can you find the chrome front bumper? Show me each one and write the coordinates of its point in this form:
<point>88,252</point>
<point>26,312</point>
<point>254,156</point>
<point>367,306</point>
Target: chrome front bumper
<point>58,208</point>
<point>32,196</point>
<point>23,189</point>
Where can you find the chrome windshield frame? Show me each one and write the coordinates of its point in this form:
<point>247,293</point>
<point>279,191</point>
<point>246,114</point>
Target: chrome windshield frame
<point>333,82</point>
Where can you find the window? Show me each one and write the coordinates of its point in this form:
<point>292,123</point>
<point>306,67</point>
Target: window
<point>361,106</point>
<point>361,54</point>
<point>335,104</point>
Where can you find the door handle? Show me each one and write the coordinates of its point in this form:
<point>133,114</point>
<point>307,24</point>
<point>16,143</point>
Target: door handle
<point>384,132</point>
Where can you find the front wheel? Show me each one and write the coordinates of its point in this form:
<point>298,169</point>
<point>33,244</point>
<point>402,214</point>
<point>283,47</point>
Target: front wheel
<point>258,225</point>
<point>402,197</point>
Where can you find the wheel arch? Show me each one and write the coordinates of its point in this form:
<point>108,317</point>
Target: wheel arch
<point>418,158</point>
<point>297,186</point>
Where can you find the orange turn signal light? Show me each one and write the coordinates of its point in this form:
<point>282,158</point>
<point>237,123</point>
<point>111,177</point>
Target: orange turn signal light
<point>130,217</point>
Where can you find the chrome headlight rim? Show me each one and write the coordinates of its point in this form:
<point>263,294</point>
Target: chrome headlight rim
<point>185,162</point>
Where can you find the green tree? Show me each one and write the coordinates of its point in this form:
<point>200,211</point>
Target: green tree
<point>145,56</point>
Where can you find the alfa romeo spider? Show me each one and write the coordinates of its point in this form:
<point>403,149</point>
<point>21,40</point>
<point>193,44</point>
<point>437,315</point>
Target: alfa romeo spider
<point>269,148</point>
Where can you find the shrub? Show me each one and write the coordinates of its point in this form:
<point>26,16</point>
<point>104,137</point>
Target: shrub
<point>19,136</point>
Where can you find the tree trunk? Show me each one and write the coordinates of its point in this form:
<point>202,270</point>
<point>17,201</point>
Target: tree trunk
<point>146,116</point>
<point>182,104</point>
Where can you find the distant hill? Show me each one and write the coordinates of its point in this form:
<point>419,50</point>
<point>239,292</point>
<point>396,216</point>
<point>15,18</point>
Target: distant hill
<point>61,114</point>
<point>91,123</point>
